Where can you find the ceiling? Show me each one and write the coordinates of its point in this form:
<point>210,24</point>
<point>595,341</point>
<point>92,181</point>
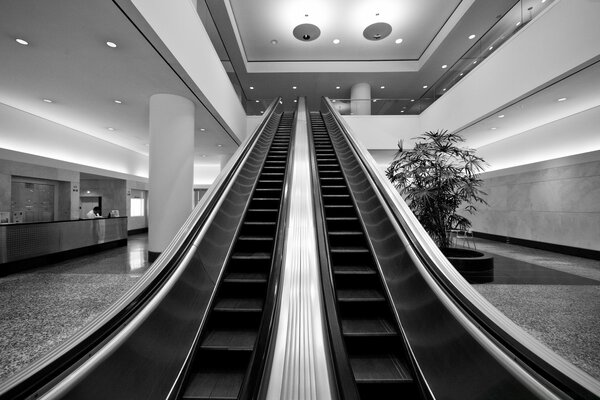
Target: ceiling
<point>433,33</point>
<point>68,62</point>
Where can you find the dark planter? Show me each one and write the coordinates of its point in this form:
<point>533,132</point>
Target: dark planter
<point>475,266</point>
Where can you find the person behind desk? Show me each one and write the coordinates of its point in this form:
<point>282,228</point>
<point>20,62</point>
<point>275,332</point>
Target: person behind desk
<point>94,213</point>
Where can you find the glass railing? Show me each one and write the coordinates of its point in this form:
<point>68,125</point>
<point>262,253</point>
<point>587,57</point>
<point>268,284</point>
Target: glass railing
<point>518,16</point>
<point>377,106</point>
<point>257,106</point>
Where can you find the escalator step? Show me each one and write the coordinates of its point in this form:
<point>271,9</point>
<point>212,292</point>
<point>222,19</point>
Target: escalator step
<point>245,277</point>
<point>256,238</point>
<point>251,256</point>
<point>239,304</point>
<point>354,270</point>
<point>359,295</point>
<point>367,327</point>
<point>216,384</point>
<point>380,368</point>
<point>354,250</point>
<point>240,339</point>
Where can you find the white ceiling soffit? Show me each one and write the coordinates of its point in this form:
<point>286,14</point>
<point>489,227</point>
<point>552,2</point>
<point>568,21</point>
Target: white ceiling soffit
<point>580,91</point>
<point>90,87</point>
<point>421,25</point>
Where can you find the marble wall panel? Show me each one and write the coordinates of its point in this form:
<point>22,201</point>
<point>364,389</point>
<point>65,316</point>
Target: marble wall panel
<point>560,204</point>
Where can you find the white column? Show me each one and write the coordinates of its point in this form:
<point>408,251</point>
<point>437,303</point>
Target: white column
<point>360,99</point>
<point>171,168</point>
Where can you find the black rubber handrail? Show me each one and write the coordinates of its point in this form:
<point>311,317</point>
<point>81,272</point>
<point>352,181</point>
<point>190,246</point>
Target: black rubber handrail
<point>42,375</point>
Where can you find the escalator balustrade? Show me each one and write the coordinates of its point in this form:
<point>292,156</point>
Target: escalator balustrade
<point>374,346</point>
<point>223,356</point>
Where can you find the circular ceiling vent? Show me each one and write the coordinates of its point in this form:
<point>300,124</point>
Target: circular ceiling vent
<point>377,31</point>
<point>306,32</point>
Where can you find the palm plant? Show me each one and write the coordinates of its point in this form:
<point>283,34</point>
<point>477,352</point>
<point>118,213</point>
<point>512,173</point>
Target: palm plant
<point>437,178</point>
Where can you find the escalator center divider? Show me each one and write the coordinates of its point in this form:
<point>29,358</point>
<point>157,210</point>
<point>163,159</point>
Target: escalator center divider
<point>373,341</point>
<point>225,355</point>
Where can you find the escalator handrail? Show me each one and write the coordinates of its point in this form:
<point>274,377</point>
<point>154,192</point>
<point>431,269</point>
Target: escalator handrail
<point>92,338</point>
<point>537,356</point>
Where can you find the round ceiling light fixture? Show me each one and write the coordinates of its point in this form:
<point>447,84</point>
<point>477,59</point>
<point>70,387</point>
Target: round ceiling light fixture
<point>377,31</point>
<point>306,32</point>
<point>21,41</point>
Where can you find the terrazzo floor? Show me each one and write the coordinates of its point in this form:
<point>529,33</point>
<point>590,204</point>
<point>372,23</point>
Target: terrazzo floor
<point>556,300</point>
<point>43,307</point>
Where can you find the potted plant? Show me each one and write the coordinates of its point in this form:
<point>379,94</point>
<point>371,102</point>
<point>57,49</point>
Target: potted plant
<point>439,178</point>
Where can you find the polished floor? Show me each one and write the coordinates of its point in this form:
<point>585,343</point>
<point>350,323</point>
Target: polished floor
<point>555,298</point>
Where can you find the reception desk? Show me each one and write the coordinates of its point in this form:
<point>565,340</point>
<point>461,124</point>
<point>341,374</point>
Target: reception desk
<point>36,240</point>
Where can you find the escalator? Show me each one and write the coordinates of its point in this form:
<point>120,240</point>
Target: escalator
<point>225,351</point>
<point>373,342</point>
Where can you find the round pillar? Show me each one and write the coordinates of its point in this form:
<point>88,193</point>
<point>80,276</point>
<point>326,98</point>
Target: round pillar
<point>171,180</point>
<point>360,99</point>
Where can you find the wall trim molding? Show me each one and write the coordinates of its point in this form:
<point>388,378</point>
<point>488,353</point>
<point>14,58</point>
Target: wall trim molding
<point>556,248</point>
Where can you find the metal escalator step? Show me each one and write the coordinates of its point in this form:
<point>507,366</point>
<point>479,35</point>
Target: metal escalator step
<point>246,277</point>
<point>367,327</point>
<point>239,304</point>
<point>256,238</point>
<point>353,270</point>
<point>353,250</point>
<point>215,384</point>
<point>251,256</point>
<point>359,295</point>
<point>230,339</point>
<point>379,368</point>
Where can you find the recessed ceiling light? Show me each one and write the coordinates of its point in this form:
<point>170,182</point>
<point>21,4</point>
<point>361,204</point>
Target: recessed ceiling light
<point>444,66</point>
<point>402,111</point>
<point>444,89</point>
<point>518,23</point>
<point>412,100</point>
<point>111,44</point>
<point>425,86</point>
<point>398,41</point>
<point>491,48</point>
<point>501,116</point>
<point>337,87</point>
<point>562,99</point>
<point>336,41</point>
<point>110,128</point>
<point>21,41</point>
<point>219,145</point>
<point>274,41</point>
<point>262,112</point>
<point>461,74</point>
<point>257,101</point>
<point>472,37</point>
<point>494,128</point>
<point>295,100</point>
<point>294,87</point>
<point>47,100</point>
<point>475,62</point>
<point>202,129</point>
<point>251,87</point>
<point>382,87</point>
<point>374,100</point>
<point>333,101</point>
<point>118,101</point>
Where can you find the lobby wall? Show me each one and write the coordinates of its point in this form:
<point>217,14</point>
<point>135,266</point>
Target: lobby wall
<point>555,201</point>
